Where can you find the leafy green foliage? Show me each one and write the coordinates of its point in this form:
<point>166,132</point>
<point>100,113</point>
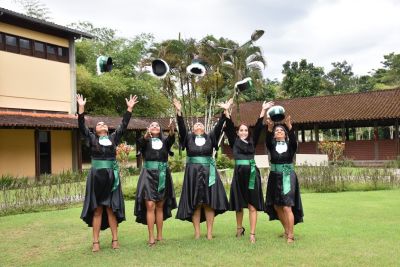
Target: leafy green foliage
<point>302,79</point>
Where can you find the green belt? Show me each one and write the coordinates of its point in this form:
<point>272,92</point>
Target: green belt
<point>108,164</point>
<point>252,164</point>
<point>206,161</point>
<point>161,167</point>
<point>285,169</point>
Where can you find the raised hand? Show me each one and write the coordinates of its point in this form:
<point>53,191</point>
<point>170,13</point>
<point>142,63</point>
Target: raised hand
<point>178,106</point>
<point>171,126</point>
<point>81,101</point>
<point>148,135</point>
<point>225,105</point>
<point>268,105</point>
<point>131,102</point>
<point>288,122</point>
<point>265,107</point>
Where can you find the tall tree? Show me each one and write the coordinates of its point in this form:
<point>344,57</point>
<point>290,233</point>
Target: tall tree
<point>302,79</point>
<point>389,75</point>
<point>340,79</point>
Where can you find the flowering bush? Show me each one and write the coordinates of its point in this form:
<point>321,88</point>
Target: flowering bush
<point>123,151</point>
<point>334,150</point>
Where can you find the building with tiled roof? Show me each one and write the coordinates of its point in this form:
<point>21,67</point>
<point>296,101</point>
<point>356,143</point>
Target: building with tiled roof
<point>368,123</point>
<point>37,88</point>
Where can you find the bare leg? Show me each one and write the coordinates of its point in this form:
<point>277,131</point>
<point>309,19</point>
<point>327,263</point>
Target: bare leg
<point>112,221</point>
<point>239,223</point>
<point>159,219</point>
<point>253,222</point>
<point>150,217</point>
<point>289,223</point>
<point>96,223</point>
<point>210,214</point>
<point>282,219</point>
<point>196,222</point>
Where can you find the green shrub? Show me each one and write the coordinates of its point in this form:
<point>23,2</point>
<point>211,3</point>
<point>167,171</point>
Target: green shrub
<point>176,163</point>
<point>224,162</point>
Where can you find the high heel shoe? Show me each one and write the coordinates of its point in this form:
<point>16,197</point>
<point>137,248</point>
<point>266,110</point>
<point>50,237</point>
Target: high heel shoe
<point>96,249</point>
<point>241,233</point>
<point>115,246</point>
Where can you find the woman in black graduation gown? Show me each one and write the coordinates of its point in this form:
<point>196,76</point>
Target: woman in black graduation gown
<point>283,200</point>
<point>203,194</point>
<point>246,188</point>
<point>155,196</point>
<point>103,206</point>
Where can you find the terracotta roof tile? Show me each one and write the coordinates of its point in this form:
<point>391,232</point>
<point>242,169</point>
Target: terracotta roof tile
<point>375,105</point>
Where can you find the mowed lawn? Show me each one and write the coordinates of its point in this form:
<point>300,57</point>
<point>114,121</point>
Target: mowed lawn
<point>340,229</point>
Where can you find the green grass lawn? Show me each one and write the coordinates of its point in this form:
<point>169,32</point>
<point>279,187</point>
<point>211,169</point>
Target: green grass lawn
<point>340,229</point>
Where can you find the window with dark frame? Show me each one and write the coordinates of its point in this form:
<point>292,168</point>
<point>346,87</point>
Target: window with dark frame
<point>1,41</point>
<point>63,54</point>
<point>11,43</point>
<point>29,47</point>
<point>51,52</point>
<point>39,49</point>
<point>25,46</point>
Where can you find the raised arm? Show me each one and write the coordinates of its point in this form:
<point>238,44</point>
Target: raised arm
<point>171,135</point>
<point>291,135</point>
<point>230,132</point>
<point>81,117</point>
<point>217,130</point>
<point>181,123</point>
<point>259,124</point>
<point>270,134</point>
<point>119,132</point>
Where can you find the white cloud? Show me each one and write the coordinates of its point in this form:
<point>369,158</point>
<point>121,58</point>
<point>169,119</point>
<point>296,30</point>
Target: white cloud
<point>321,31</point>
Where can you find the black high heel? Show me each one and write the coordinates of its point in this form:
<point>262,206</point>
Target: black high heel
<point>241,233</point>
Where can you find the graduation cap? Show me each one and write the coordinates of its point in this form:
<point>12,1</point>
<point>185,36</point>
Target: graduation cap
<point>196,68</point>
<point>159,68</point>
<point>244,84</point>
<point>276,113</point>
<point>103,64</point>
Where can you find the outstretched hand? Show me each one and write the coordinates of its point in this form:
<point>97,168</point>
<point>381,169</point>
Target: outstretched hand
<point>81,101</point>
<point>178,106</point>
<point>225,105</point>
<point>265,107</point>
<point>171,126</point>
<point>288,122</point>
<point>131,102</point>
<point>268,105</point>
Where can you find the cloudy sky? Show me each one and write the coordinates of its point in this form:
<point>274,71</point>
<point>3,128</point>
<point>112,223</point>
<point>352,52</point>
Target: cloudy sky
<point>321,31</point>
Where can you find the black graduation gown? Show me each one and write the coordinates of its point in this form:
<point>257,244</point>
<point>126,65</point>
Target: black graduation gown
<point>275,195</point>
<point>99,182</point>
<point>195,189</point>
<point>240,194</point>
<point>147,187</point>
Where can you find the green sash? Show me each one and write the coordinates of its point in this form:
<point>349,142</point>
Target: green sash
<point>285,169</point>
<point>206,161</point>
<point>108,164</point>
<point>252,164</point>
<point>161,167</point>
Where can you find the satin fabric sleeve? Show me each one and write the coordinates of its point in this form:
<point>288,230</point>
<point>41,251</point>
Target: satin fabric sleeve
<point>119,132</point>
<point>230,132</point>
